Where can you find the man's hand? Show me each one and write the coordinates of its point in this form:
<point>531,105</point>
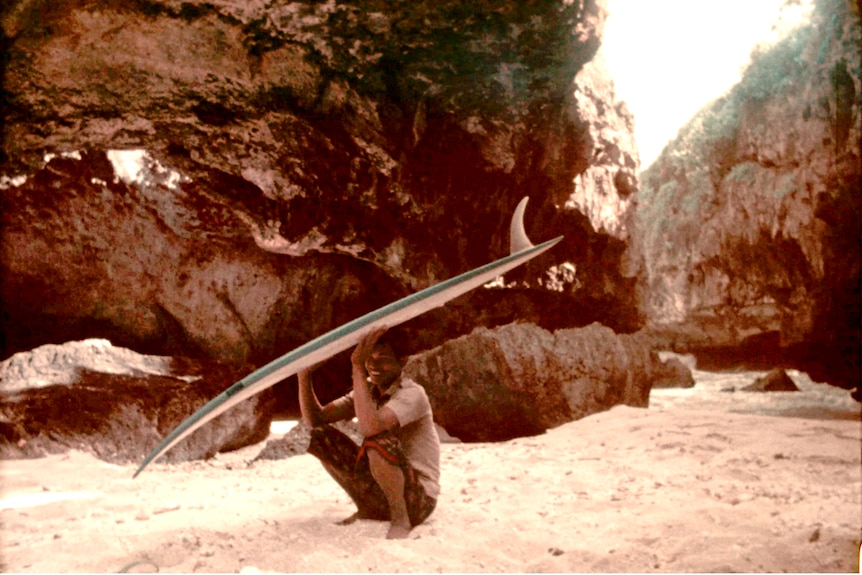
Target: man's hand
<point>365,345</point>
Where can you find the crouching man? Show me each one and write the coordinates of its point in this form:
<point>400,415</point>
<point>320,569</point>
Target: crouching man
<point>394,475</point>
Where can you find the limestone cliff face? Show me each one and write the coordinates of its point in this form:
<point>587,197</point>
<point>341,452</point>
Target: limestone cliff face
<point>334,156</point>
<point>747,230</point>
<point>604,190</point>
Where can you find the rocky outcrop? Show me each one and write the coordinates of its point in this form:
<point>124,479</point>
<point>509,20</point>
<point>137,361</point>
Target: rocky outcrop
<point>50,365</point>
<point>119,405</point>
<point>776,380</point>
<point>520,379</point>
<point>295,442</point>
<point>673,373</point>
<point>304,163</point>
<point>747,232</point>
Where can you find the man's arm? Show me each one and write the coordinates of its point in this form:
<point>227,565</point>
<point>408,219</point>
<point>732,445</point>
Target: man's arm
<point>371,420</point>
<point>313,414</point>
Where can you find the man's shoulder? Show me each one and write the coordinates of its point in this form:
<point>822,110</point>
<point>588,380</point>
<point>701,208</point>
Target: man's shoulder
<point>408,382</point>
<point>410,402</point>
<point>410,386</point>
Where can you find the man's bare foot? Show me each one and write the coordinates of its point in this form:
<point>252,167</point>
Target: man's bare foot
<point>398,531</point>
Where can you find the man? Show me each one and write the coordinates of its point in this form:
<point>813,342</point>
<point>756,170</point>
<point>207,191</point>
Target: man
<point>394,476</point>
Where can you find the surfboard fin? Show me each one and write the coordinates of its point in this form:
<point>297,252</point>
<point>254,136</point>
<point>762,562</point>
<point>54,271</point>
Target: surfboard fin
<point>518,240</point>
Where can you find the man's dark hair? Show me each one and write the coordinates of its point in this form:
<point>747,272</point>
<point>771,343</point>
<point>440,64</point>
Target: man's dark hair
<point>387,344</point>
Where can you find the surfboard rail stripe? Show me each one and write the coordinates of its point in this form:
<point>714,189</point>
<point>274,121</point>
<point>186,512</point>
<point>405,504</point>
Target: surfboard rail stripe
<point>348,335</point>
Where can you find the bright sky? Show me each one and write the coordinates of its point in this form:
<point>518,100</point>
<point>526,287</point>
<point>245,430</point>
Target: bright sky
<point>668,58</point>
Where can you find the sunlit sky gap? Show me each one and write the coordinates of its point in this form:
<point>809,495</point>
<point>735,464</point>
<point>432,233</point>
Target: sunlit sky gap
<point>669,58</point>
<point>128,164</point>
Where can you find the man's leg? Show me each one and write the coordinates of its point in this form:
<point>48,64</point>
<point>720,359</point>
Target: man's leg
<point>409,505</point>
<point>338,454</point>
<point>419,504</point>
<point>390,478</point>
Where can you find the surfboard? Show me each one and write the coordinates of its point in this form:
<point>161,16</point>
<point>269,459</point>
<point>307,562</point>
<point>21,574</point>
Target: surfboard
<point>348,335</point>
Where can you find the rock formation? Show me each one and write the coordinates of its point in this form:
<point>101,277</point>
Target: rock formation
<point>747,232</point>
<point>119,405</point>
<point>295,442</point>
<point>161,270</point>
<point>776,380</point>
<point>304,162</point>
<point>673,373</point>
<point>226,181</point>
<point>520,379</point>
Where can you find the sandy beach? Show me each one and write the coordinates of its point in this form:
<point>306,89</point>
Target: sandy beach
<point>705,480</point>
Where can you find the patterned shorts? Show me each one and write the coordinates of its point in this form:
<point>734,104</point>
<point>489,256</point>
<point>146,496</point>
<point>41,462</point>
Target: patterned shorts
<point>348,465</point>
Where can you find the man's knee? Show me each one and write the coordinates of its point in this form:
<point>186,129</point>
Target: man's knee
<point>383,468</point>
<point>386,445</point>
<point>332,447</point>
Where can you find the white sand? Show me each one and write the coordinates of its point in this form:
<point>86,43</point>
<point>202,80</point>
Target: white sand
<point>685,485</point>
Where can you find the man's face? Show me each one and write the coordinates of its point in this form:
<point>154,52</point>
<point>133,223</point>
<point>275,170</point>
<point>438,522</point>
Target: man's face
<point>382,367</point>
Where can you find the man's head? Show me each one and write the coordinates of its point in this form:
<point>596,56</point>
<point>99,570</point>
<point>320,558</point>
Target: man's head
<point>382,365</point>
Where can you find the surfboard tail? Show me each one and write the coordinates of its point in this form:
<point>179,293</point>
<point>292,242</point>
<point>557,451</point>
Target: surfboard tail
<point>348,335</point>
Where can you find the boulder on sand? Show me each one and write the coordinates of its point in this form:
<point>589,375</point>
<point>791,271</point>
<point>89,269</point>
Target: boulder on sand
<point>119,405</point>
<point>776,380</point>
<point>519,379</point>
<point>673,372</point>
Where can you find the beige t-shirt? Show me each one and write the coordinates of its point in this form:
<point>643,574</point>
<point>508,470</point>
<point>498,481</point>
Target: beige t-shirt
<point>417,432</point>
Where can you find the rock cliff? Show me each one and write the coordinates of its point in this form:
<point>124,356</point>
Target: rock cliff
<point>304,163</point>
<point>747,232</point>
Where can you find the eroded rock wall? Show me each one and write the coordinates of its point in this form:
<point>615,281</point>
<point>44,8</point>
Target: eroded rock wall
<point>333,156</point>
<point>152,269</point>
<point>748,225</point>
